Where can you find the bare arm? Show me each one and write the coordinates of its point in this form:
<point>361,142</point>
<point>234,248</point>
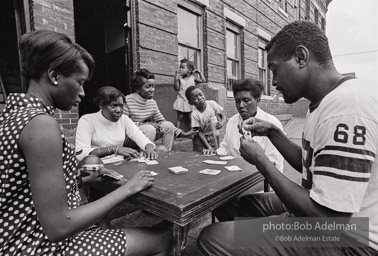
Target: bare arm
<point>203,139</point>
<point>201,78</point>
<point>222,121</point>
<point>48,187</point>
<point>176,81</point>
<point>295,197</point>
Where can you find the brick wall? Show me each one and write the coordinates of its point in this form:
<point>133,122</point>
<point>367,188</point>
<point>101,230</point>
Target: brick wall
<point>57,15</point>
<point>157,40</point>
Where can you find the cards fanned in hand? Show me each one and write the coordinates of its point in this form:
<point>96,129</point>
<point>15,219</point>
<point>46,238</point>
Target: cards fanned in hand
<point>91,167</point>
<point>210,171</point>
<point>215,162</point>
<point>226,158</point>
<point>112,174</point>
<point>233,168</point>
<point>178,169</point>
<point>247,135</point>
<point>112,159</point>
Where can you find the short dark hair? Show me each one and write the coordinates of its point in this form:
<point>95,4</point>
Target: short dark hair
<point>106,95</point>
<point>255,87</point>
<point>305,33</point>
<point>139,76</point>
<point>188,62</point>
<point>189,91</point>
<point>42,50</point>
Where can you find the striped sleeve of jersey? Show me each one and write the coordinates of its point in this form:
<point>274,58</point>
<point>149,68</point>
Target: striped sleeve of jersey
<point>344,152</point>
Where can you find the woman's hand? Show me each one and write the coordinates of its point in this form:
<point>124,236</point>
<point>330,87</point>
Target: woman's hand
<point>128,152</point>
<point>150,152</point>
<point>140,181</point>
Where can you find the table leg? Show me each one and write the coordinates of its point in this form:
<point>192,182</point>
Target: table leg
<point>180,235</point>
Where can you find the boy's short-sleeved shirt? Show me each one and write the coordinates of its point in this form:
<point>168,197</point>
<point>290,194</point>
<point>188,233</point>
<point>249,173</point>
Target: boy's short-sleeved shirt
<point>204,119</point>
<point>340,154</point>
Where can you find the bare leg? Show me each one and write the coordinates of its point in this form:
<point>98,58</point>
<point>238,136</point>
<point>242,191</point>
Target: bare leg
<point>148,241</point>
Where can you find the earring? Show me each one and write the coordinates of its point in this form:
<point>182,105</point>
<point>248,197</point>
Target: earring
<point>55,82</point>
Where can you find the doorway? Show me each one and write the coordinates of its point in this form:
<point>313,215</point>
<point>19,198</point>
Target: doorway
<point>14,21</point>
<point>100,28</point>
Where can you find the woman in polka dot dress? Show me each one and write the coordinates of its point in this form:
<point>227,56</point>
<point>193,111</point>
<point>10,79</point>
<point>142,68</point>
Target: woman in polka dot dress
<point>40,212</point>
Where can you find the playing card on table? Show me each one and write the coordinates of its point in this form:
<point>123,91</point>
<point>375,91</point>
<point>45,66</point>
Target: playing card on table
<point>141,159</point>
<point>152,173</point>
<point>210,171</point>
<point>233,168</point>
<point>151,162</point>
<point>226,158</point>
<point>178,169</point>
<point>215,162</point>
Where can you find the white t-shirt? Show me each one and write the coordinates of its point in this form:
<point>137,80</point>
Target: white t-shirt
<point>340,154</point>
<point>231,142</point>
<point>205,120</point>
<point>95,131</point>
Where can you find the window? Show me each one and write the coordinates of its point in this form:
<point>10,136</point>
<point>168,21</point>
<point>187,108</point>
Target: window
<point>316,16</point>
<point>190,35</point>
<point>282,5</point>
<point>233,53</point>
<point>307,17</point>
<point>323,24</point>
<point>297,10</point>
<point>264,72</point>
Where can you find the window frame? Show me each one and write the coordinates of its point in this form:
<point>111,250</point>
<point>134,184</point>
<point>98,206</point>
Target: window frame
<point>238,31</point>
<point>297,9</point>
<point>261,43</point>
<point>308,10</point>
<point>198,12</point>
<point>316,16</point>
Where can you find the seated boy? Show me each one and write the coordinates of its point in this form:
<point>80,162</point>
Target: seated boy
<point>205,118</point>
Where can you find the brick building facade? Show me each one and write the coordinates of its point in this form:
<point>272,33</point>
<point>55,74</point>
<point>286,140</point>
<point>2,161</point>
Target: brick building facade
<point>224,38</point>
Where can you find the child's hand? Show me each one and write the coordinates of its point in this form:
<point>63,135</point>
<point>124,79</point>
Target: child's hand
<point>209,152</point>
<point>177,75</point>
<point>196,71</point>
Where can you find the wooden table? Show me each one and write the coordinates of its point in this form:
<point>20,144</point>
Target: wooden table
<point>183,198</point>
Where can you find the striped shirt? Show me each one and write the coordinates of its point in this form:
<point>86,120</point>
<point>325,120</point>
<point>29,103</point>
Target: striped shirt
<point>142,110</point>
<point>339,150</point>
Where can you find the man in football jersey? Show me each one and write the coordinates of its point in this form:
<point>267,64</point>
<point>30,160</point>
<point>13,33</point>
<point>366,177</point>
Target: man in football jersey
<point>338,157</point>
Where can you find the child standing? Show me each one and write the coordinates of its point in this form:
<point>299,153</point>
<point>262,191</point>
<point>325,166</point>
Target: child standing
<point>205,118</point>
<point>187,76</point>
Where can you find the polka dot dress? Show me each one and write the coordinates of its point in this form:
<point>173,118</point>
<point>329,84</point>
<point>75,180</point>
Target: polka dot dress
<point>20,230</point>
